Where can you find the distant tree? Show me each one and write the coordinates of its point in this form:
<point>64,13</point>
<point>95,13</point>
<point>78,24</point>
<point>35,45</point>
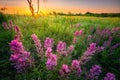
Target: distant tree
<point>3,9</point>
<point>54,13</point>
<point>31,7</point>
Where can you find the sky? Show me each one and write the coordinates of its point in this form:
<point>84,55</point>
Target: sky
<point>74,6</point>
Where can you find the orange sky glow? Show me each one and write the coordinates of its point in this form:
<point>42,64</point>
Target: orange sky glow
<point>73,6</point>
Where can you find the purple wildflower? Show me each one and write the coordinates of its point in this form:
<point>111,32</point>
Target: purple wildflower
<point>65,70</point>
<point>16,46</point>
<point>20,58</point>
<point>75,66</point>
<point>94,72</point>
<point>5,25</point>
<point>11,24</point>
<point>80,32</point>
<point>107,43</point>
<point>117,45</point>
<point>61,47</point>
<point>76,33</point>
<point>109,76</point>
<point>37,44</point>
<point>88,53</point>
<point>70,49</point>
<point>48,52</point>
<point>48,42</point>
<point>51,62</point>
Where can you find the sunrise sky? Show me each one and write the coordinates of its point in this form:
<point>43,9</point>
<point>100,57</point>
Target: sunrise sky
<point>74,6</point>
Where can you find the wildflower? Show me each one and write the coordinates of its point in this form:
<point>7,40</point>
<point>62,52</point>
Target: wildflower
<point>5,25</point>
<point>109,76</point>
<point>94,72</point>
<point>21,61</point>
<point>88,53</point>
<point>80,32</point>
<point>51,62</point>
<point>92,47</point>
<point>18,33</point>
<point>48,52</point>
<point>117,45</point>
<point>61,47</point>
<point>65,70</point>
<point>75,66</point>
<point>48,42</point>
<point>53,57</point>
<point>20,58</point>
<point>108,42</point>
<point>11,24</point>
<point>77,25</point>
<point>70,49</point>
<point>76,33</point>
<point>37,44</point>
<point>16,46</point>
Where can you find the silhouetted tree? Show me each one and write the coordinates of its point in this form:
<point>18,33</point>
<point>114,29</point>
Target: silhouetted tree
<point>3,9</point>
<point>31,7</point>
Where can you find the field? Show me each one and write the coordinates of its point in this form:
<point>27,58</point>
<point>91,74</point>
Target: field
<point>60,28</point>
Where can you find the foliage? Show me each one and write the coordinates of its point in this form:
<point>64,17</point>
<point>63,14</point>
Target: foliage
<point>61,28</point>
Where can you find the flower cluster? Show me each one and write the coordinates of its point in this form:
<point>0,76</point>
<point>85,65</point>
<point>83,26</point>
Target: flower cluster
<point>21,59</point>
<point>37,45</point>
<point>64,71</point>
<point>48,42</point>
<point>109,76</point>
<point>88,53</point>
<point>70,49</point>
<point>51,62</point>
<point>75,67</point>
<point>5,25</point>
<point>76,34</point>
<point>16,29</point>
<point>61,48</point>
<point>94,72</point>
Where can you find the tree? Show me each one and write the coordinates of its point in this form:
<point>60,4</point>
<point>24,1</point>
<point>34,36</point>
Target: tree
<point>31,7</point>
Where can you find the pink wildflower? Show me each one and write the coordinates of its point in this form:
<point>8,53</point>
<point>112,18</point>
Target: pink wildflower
<point>48,42</point>
<point>16,46</point>
<point>51,62</point>
<point>61,47</point>
<point>5,25</point>
<point>65,70</point>
<point>81,32</point>
<point>94,72</point>
<point>37,44</point>
<point>109,76</point>
<point>88,53</point>
<point>76,33</point>
<point>20,58</point>
<point>75,66</point>
<point>70,49</point>
<point>48,52</point>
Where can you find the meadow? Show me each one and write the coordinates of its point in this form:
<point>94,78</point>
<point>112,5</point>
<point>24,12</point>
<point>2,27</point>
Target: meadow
<point>62,28</point>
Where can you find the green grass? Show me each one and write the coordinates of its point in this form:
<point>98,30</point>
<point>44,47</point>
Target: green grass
<point>56,27</point>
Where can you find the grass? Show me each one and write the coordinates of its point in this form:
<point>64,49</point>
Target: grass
<point>56,27</point>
